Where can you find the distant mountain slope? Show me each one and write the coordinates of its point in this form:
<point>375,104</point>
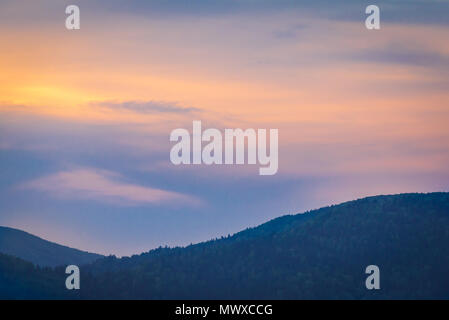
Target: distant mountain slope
<point>41,252</point>
<point>321,254</point>
<point>20,279</point>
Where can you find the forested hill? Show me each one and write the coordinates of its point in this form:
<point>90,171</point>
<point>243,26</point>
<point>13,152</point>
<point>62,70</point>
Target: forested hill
<point>320,254</point>
<point>39,251</point>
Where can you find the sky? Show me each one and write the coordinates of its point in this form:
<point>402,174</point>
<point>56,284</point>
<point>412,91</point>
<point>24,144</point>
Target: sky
<point>86,115</point>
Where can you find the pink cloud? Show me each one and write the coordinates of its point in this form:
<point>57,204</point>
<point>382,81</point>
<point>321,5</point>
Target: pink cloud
<point>102,185</point>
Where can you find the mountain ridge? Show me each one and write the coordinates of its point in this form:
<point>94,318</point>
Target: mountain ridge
<point>39,251</point>
<point>320,254</point>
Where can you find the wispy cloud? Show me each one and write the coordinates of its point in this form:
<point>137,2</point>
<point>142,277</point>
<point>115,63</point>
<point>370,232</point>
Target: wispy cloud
<point>102,185</point>
<point>146,106</point>
<point>394,54</point>
<point>290,32</point>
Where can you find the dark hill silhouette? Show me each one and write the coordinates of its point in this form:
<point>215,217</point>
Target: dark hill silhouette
<point>41,252</point>
<point>320,254</point>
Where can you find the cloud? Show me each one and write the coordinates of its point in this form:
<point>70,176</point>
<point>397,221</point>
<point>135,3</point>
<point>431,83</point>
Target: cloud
<point>102,185</point>
<point>146,106</point>
<point>394,54</point>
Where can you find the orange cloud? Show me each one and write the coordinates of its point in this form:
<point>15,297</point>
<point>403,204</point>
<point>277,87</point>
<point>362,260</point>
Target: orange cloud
<point>310,87</point>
